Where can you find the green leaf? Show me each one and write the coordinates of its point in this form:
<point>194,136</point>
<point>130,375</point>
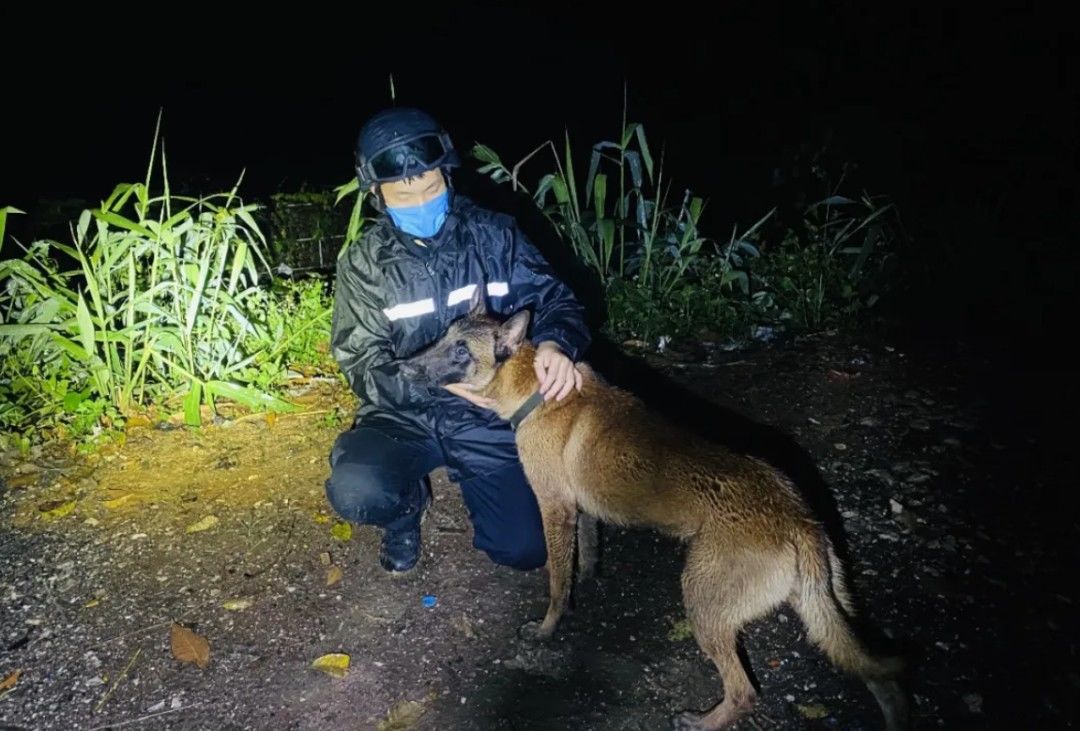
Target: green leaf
<point>239,257</point>
<point>247,397</point>
<point>485,154</point>
<point>600,193</point>
<point>86,325</point>
<point>644,144</point>
<point>192,417</point>
<point>73,399</point>
<point>17,332</point>
<point>70,347</point>
<point>558,186</point>
<point>3,221</point>
<point>733,275</point>
<point>346,189</point>
<point>121,222</point>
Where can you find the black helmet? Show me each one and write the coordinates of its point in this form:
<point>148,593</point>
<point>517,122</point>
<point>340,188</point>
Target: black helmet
<point>401,143</point>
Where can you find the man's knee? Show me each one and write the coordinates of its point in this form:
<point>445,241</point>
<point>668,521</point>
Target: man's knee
<point>519,549</point>
<point>362,493</point>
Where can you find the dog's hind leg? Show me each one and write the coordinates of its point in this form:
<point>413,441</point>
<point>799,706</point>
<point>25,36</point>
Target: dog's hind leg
<point>722,592</point>
<point>588,540</point>
<point>559,532</point>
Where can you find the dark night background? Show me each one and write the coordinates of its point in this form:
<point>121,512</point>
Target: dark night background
<point>965,115</point>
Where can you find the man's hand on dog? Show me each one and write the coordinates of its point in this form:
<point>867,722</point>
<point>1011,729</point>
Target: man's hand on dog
<point>555,371</point>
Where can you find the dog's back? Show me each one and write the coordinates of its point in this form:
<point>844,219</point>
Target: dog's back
<point>628,466</point>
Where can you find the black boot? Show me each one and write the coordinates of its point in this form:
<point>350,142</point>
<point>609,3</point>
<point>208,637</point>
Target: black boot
<point>400,550</point>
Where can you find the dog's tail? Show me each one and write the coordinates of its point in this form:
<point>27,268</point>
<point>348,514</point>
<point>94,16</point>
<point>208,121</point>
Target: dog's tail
<point>821,599</point>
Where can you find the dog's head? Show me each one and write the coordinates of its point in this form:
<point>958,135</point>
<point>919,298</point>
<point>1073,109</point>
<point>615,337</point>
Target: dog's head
<point>472,349</point>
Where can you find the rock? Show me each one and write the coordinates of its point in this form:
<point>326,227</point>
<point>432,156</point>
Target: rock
<point>908,520</point>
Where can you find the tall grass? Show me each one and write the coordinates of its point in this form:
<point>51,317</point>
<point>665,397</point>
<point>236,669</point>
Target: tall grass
<point>663,276</point>
<point>162,300</point>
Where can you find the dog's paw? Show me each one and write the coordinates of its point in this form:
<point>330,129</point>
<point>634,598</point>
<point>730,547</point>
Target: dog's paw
<point>532,632</point>
<point>687,721</point>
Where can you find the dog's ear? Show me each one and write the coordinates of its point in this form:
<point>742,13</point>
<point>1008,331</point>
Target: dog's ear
<point>510,335</point>
<point>477,307</point>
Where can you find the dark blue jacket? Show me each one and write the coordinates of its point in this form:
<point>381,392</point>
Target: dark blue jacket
<point>396,295</point>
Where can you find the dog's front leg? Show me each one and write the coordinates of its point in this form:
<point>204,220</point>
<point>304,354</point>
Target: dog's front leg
<point>560,518</point>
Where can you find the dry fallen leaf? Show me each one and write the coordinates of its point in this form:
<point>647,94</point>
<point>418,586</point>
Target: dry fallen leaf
<point>237,605</point>
<point>188,646</point>
<point>23,480</point>
<point>324,558</point>
<point>137,422</point>
<point>10,680</point>
<point>117,502</point>
<point>335,664</point>
<point>205,524</point>
<point>341,531</point>
<point>322,518</point>
<point>52,511</point>
<point>405,714</point>
<point>333,575</point>
<point>91,603</point>
<point>680,631</point>
<point>814,711</point>
<point>463,624</point>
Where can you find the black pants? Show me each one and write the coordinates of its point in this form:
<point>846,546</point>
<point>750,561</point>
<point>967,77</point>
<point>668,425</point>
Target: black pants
<point>378,469</point>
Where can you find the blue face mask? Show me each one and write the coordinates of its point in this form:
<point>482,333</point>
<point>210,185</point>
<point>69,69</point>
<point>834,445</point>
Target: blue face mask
<point>423,220</point>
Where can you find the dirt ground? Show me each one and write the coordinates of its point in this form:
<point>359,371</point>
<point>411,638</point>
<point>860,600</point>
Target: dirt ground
<point>936,462</point>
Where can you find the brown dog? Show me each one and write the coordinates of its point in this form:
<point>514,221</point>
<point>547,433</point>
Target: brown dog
<point>752,541</point>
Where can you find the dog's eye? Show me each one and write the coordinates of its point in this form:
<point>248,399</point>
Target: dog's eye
<point>461,350</point>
